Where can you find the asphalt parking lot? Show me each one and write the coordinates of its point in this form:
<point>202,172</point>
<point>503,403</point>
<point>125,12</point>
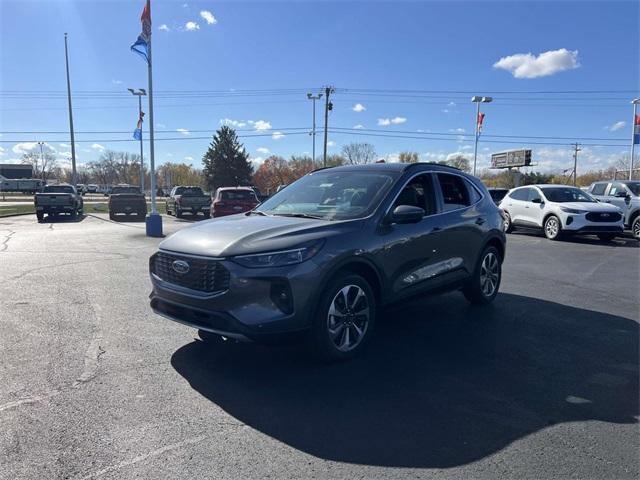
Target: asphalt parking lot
<point>541,384</point>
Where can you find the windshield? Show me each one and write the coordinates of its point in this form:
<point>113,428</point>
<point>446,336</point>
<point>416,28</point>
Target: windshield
<point>566,194</point>
<point>331,195</point>
<point>118,190</point>
<point>189,191</point>
<point>244,195</point>
<point>58,189</point>
<point>634,187</point>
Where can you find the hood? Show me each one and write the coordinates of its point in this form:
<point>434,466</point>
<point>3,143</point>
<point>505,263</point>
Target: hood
<point>242,234</point>
<point>590,207</point>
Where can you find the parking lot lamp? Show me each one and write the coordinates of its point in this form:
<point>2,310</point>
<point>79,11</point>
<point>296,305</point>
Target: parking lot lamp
<point>478,100</point>
<point>635,134</point>
<point>140,93</point>
<point>313,131</point>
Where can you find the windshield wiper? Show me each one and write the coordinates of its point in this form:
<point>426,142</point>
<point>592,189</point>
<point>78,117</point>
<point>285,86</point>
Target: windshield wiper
<point>257,212</point>
<point>300,215</point>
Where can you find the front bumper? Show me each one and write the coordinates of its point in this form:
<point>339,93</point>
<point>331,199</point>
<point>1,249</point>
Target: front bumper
<point>55,208</point>
<point>248,308</point>
<point>578,224</point>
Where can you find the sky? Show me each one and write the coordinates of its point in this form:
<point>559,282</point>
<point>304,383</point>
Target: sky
<point>404,73</point>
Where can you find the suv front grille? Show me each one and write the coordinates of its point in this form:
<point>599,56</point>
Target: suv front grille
<point>203,275</point>
<point>603,216</point>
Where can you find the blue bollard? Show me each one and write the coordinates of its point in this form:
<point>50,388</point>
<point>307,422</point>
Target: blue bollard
<point>154,225</point>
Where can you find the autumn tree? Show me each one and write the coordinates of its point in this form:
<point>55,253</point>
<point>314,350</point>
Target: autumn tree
<point>226,162</point>
<point>458,161</point>
<point>273,172</point>
<point>408,157</point>
<point>172,174</point>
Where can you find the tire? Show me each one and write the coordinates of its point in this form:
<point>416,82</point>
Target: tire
<point>484,283</point>
<point>507,226</point>
<point>207,215</point>
<point>74,215</point>
<point>552,228</point>
<point>112,216</point>
<point>606,237</point>
<point>40,217</point>
<point>344,335</point>
<point>178,213</point>
<point>635,228</point>
<point>167,208</point>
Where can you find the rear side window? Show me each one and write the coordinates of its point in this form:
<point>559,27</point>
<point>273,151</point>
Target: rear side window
<point>520,194</point>
<point>455,193</point>
<point>598,189</point>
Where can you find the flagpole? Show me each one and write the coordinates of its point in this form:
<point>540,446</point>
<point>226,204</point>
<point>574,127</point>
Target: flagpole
<point>634,102</point>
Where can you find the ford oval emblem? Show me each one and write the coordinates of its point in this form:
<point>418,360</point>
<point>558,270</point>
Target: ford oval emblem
<point>180,266</point>
<point>605,214</point>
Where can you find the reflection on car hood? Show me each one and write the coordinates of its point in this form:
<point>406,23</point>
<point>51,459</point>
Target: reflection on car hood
<point>590,207</point>
<point>242,234</point>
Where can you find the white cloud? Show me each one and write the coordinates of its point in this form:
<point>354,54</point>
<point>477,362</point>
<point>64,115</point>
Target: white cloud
<point>28,147</point>
<point>64,145</point>
<point>97,146</point>
<point>457,130</point>
<point>188,159</point>
<point>191,26</point>
<point>257,161</point>
<point>527,65</point>
<point>164,27</point>
<point>331,143</point>
<point>451,104</point>
<point>358,127</point>
<point>383,122</point>
<point>260,125</point>
<point>116,82</point>
<point>398,120</point>
<point>160,125</point>
<point>262,150</point>
<point>232,123</point>
<point>358,107</point>
<point>1,151</point>
<point>208,17</point>
<point>277,135</point>
<point>616,126</point>
<point>183,131</point>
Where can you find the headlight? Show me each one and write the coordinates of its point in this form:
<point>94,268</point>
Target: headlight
<point>572,210</point>
<point>280,258</point>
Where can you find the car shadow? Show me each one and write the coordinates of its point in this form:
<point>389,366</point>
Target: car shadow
<point>129,218</point>
<point>441,384</point>
<point>63,218</point>
<point>625,240</point>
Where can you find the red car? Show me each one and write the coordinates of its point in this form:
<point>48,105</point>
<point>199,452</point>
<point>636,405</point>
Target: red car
<point>232,200</point>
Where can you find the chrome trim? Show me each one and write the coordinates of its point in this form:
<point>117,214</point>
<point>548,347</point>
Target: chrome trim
<point>188,292</point>
<point>235,336</point>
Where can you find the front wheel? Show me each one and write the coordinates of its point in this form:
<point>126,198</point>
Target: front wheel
<point>606,237</point>
<point>40,217</point>
<point>484,283</point>
<point>552,228</point>
<point>345,318</point>
<point>507,226</point>
<point>635,228</point>
<point>178,213</point>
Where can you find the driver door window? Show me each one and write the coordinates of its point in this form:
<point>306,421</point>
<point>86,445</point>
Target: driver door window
<point>418,193</point>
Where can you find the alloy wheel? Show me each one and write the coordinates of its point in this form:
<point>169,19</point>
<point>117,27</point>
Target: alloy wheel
<point>635,228</point>
<point>348,318</point>
<point>489,274</point>
<point>552,227</point>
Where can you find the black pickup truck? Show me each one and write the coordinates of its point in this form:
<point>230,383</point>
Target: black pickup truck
<point>188,199</point>
<point>127,200</point>
<point>56,199</point>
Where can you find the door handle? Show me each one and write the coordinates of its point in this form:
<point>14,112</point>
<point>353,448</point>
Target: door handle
<point>480,221</point>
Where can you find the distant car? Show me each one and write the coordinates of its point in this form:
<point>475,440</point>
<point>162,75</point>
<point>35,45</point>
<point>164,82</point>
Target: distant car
<point>81,188</point>
<point>56,199</point>
<point>188,199</point>
<point>127,200</point>
<point>559,210</point>
<point>497,194</point>
<point>92,188</point>
<point>232,200</point>
<point>624,194</point>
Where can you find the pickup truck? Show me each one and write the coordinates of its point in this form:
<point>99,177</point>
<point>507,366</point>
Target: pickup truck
<point>127,200</point>
<point>624,194</point>
<point>56,199</point>
<point>188,199</point>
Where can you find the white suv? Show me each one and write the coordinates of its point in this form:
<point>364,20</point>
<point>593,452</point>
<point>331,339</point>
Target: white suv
<point>560,209</point>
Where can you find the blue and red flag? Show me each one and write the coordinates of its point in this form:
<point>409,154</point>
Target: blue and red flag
<point>636,130</point>
<point>137,133</point>
<point>141,47</point>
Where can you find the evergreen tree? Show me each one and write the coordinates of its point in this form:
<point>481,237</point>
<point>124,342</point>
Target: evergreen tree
<point>226,162</point>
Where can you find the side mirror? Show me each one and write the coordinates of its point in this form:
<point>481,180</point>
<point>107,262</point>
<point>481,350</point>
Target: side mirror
<point>537,200</point>
<point>620,194</point>
<point>407,214</point>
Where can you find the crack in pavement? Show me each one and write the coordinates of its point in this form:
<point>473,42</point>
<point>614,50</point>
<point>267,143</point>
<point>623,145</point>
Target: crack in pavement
<point>29,400</point>
<point>4,244</point>
<point>91,360</point>
<point>119,256</point>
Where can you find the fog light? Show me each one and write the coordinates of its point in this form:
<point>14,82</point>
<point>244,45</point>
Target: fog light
<point>281,296</point>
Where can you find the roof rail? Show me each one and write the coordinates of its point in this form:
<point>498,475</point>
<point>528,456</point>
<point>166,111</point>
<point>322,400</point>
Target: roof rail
<point>409,165</point>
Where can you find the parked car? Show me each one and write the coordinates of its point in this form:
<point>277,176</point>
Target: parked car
<point>92,188</point>
<point>127,200</point>
<point>188,199</point>
<point>233,200</point>
<point>56,199</point>
<point>497,194</point>
<point>324,254</point>
<point>560,210</point>
<point>624,194</point>
<point>81,188</point>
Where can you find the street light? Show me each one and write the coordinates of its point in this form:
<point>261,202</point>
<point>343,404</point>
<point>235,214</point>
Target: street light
<point>313,132</point>
<point>41,158</point>
<point>140,93</point>
<point>635,103</point>
<point>478,100</point>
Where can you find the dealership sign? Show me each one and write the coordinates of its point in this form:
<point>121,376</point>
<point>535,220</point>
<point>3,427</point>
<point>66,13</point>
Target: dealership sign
<point>511,158</point>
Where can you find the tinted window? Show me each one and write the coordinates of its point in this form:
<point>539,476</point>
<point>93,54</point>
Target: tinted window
<point>566,194</point>
<point>598,189</point>
<point>189,191</point>
<point>497,195</point>
<point>616,187</point>
<point>418,193</point>
<point>533,194</point>
<point>520,194</point>
<point>474,195</point>
<point>58,189</point>
<point>120,190</point>
<point>454,191</point>
<point>243,195</point>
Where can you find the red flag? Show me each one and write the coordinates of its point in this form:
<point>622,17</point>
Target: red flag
<point>637,121</point>
<point>480,120</point>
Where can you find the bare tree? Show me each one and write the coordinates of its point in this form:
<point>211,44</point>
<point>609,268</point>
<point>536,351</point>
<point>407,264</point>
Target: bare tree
<point>43,164</point>
<point>458,161</point>
<point>408,157</point>
<point>359,153</point>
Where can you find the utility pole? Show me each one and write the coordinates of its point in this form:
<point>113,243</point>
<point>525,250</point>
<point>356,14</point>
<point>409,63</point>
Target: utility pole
<point>73,141</point>
<point>42,158</point>
<point>576,149</point>
<point>327,106</point>
<point>313,131</point>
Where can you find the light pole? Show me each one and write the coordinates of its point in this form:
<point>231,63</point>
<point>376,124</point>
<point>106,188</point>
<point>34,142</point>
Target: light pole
<point>140,93</point>
<point>478,100</point>
<point>635,103</point>
<point>42,158</point>
<point>73,140</point>
<point>313,131</point>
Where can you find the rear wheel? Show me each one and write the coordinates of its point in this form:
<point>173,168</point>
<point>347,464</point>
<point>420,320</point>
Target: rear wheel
<point>484,283</point>
<point>73,214</point>
<point>345,318</point>
<point>506,222</point>
<point>606,237</point>
<point>552,228</point>
<point>40,217</point>
<point>112,216</point>
<point>635,228</point>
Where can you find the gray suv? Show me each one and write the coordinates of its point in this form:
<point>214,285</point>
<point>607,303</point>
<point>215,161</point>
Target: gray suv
<point>624,194</point>
<point>324,254</point>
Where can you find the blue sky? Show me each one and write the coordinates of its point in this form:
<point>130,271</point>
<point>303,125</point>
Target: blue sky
<point>392,47</point>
